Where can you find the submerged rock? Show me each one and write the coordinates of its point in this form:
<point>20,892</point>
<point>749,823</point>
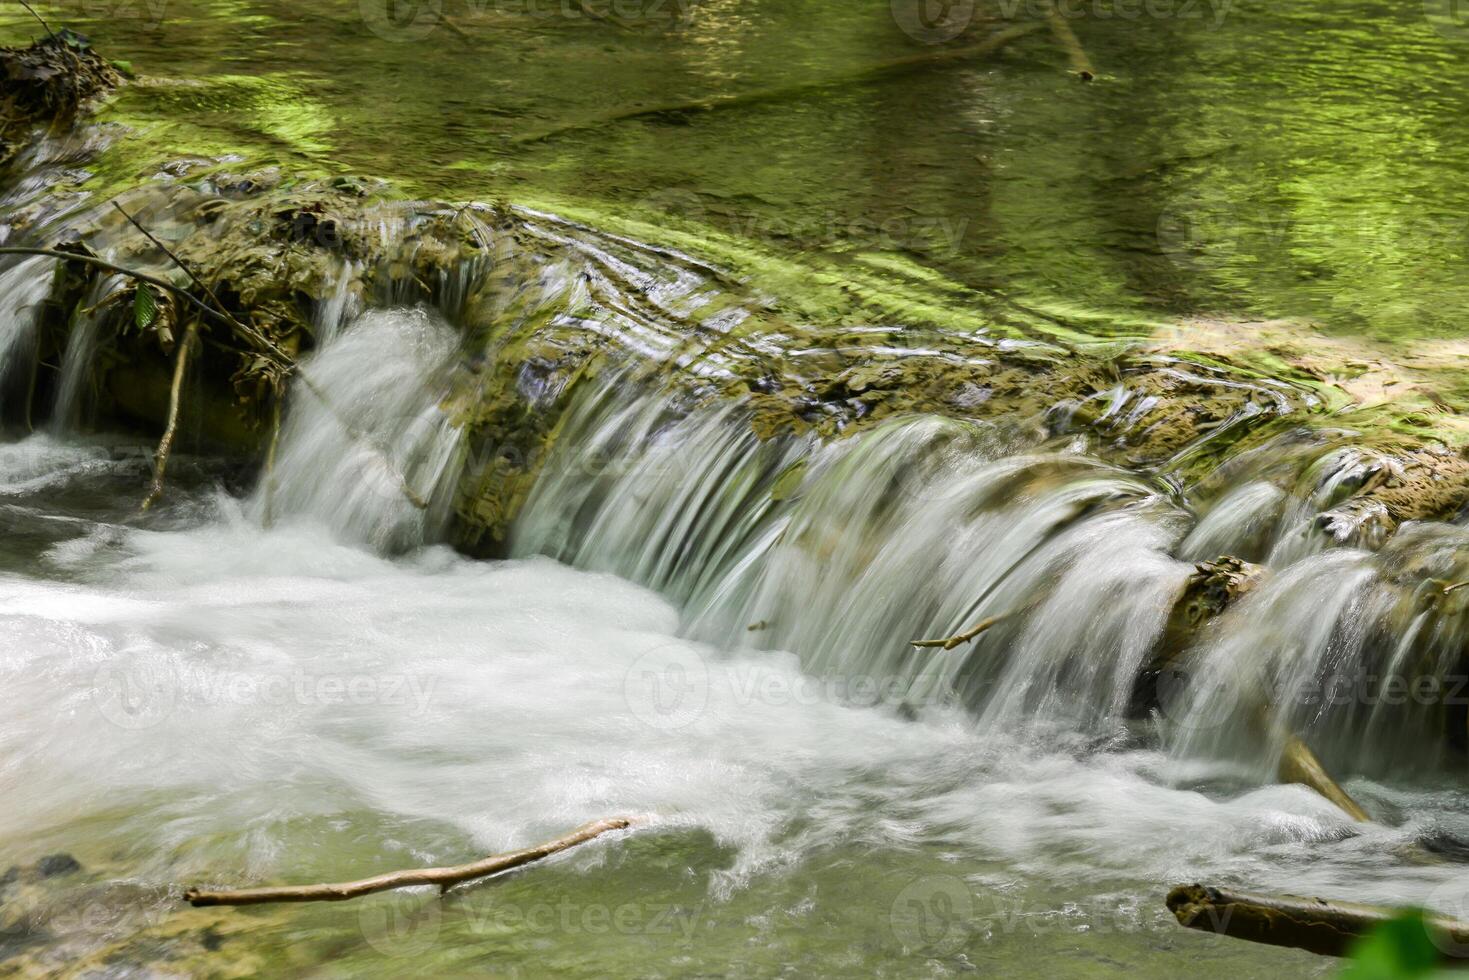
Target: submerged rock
<point>53,865</point>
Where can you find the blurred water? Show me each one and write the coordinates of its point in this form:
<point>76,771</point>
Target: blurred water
<point>221,702</point>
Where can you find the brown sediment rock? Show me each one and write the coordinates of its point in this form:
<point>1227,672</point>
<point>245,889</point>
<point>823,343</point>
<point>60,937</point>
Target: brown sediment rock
<point>1409,485</point>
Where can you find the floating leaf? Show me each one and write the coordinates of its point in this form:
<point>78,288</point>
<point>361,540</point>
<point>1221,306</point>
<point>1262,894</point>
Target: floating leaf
<point>145,307</point>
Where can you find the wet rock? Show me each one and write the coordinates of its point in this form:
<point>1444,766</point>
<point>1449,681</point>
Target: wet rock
<point>54,865</point>
<point>1212,588</point>
<point>1414,484</point>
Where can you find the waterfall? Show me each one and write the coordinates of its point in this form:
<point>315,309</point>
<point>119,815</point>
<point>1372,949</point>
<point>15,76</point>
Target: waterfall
<point>921,527</point>
<point>365,448</point>
<point>23,287</point>
<point>844,553</point>
<point>81,348</point>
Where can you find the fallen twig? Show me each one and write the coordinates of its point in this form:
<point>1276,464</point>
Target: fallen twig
<point>958,639</point>
<point>1314,924</point>
<point>443,877</point>
<point>1063,33</point>
<point>177,261</point>
<point>928,58</point>
<point>32,11</point>
<point>165,445</point>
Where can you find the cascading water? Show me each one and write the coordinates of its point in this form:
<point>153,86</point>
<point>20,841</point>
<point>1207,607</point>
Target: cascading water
<point>301,684</point>
<point>23,287</point>
<point>922,528</point>
<point>365,448</point>
<point>81,349</point>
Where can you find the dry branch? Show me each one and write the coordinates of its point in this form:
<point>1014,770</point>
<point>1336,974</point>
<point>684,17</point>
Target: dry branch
<point>950,642</point>
<point>165,445</point>
<point>443,877</point>
<point>1314,924</point>
<point>93,260</point>
<point>712,103</point>
<point>176,260</point>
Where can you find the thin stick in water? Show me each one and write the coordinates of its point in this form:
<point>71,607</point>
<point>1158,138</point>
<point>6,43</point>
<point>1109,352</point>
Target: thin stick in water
<point>1063,33</point>
<point>443,877</point>
<point>165,445</point>
<point>958,639</point>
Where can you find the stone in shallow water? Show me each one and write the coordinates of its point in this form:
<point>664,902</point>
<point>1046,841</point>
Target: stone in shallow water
<point>53,865</point>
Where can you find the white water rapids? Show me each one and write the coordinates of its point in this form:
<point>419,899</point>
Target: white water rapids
<point>204,698</point>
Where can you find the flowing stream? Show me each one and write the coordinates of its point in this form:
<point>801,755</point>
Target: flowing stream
<point>295,682</point>
<point>285,674</point>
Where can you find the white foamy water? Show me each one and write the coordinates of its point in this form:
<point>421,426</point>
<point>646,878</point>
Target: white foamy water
<point>212,693</point>
<point>365,448</point>
<point>223,683</point>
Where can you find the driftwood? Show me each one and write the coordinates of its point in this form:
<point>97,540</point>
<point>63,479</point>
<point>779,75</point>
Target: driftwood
<point>1298,764</point>
<point>989,45</point>
<point>1314,924</point>
<point>165,445</point>
<point>443,877</point>
<point>958,639</point>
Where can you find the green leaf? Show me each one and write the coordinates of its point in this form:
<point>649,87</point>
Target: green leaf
<point>1401,949</point>
<point>145,307</point>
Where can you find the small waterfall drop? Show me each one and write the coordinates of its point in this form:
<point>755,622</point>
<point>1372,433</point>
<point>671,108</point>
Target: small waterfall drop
<point>844,553</point>
<point>923,528</point>
<point>23,287</point>
<point>81,349</point>
<point>365,448</point>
